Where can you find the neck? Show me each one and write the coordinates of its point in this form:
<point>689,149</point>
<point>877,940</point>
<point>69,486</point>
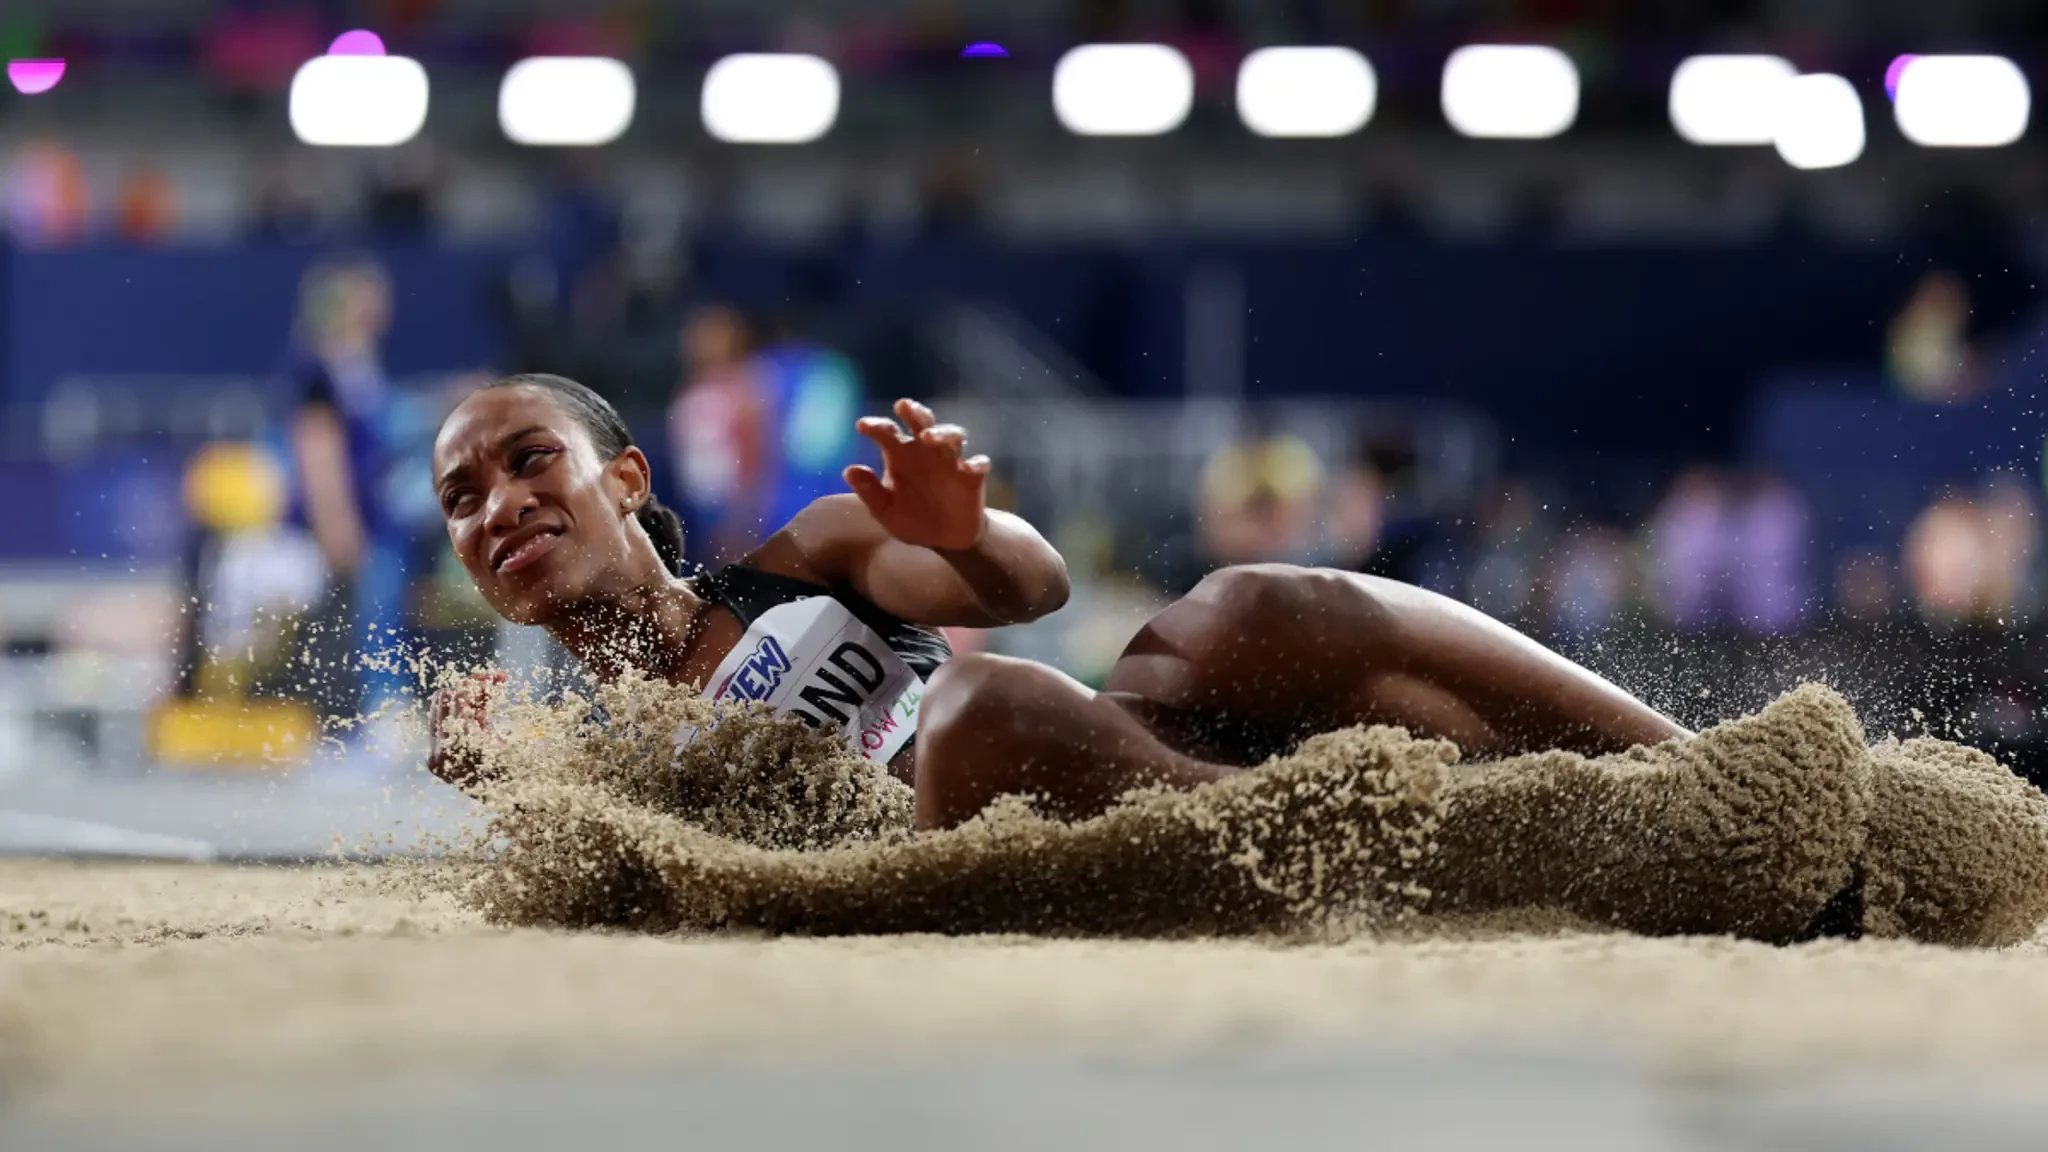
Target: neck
<point>646,629</point>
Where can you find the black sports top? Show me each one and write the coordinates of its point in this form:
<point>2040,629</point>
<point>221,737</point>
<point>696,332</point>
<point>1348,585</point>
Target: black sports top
<point>749,592</point>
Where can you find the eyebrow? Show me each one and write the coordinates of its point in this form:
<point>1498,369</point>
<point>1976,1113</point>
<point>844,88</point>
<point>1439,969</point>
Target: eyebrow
<point>504,444</point>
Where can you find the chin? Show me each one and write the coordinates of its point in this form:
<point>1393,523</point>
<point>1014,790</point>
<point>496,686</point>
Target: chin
<point>522,612</point>
<point>539,601</point>
<point>524,606</point>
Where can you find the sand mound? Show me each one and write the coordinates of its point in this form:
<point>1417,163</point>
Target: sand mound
<point>1750,829</point>
<point>1765,827</point>
<point>1328,837</point>
<point>1957,849</point>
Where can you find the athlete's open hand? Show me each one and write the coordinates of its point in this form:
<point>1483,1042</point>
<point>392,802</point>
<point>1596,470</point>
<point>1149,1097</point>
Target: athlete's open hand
<point>927,494</point>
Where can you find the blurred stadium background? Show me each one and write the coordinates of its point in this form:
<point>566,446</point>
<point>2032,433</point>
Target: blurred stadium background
<point>1718,375</point>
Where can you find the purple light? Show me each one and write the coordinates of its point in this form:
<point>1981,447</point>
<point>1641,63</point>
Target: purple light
<point>357,43</point>
<point>984,48</point>
<point>34,77</point>
<point>1892,74</point>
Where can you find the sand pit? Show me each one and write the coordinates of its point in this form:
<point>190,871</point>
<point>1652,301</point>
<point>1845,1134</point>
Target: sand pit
<point>146,978</point>
<point>1368,888</point>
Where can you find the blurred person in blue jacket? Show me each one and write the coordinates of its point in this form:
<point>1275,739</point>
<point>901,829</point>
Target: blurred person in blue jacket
<point>348,443</point>
<point>814,399</point>
<point>758,433</point>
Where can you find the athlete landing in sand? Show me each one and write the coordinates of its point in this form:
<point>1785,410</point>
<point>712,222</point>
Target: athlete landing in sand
<point>549,508</point>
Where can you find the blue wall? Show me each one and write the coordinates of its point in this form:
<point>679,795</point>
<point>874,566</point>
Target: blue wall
<point>1573,348</point>
<point>1665,351</point>
<point>118,310</point>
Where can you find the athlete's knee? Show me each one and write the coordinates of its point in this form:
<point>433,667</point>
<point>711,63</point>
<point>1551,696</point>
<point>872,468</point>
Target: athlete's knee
<point>1323,604</point>
<point>985,722</point>
<point>980,693</point>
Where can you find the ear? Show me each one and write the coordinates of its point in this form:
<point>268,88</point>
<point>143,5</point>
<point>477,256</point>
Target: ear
<point>629,480</point>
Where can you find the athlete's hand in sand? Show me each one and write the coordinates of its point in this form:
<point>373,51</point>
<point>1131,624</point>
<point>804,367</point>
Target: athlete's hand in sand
<point>457,726</point>
<point>927,494</point>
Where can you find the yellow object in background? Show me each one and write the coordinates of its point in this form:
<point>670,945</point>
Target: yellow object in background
<point>1282,467</point>
<point>260,734</point>
<point>232,487</point>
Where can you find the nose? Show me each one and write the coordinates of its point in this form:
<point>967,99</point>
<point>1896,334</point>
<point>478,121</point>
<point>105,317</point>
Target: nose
<point>508,505</point>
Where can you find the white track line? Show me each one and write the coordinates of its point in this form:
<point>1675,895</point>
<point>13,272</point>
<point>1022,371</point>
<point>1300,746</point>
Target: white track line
<point>24,833</point>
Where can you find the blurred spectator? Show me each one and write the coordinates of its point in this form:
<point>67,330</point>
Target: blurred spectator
<point>1948,560</point>
<point>1258,501</point>
<point>1973,559</point>
<point>1724,552</point>
<point>49,200</point>
<point>814,395</point>
<point>1356,519</point>
<point>1768,540</point>
<point>719,433</point>
<point>1688,548</point>
<point>1928,345</point>
<point>147,207</point>
<point>1410,537</point>
<point>757,434</point>
<point>343,448</point>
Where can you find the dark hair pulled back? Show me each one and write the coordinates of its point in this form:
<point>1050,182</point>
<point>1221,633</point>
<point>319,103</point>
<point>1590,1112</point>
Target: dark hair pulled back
<point>608,434</point>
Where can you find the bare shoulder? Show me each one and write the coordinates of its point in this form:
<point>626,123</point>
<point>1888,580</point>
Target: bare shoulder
<point>817,542</point>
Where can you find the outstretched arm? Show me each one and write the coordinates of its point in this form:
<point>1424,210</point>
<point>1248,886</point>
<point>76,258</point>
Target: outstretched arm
<point>919,540</point>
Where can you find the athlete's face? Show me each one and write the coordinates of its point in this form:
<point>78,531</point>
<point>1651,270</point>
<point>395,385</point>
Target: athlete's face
<point>538,519</point>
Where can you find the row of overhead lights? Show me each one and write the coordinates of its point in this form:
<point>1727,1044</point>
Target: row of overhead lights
<point>1489,91</point>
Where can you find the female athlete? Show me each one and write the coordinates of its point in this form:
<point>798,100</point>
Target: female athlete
<point>835,616</point>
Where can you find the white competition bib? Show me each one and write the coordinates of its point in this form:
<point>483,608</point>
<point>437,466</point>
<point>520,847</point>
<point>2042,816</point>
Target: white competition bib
<point>814,658</point>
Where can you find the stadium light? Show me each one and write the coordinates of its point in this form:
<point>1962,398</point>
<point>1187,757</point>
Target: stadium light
<point>1962,101</point>
<point>569,101</point>
<point>358,101</point>
<point>1122,90</point>
<point>34,77</point>
<point>770,98</point>
<point>1728,100</point>
<point>1510,91</point>
<point>1820,122</point>
<point>1306,92</point>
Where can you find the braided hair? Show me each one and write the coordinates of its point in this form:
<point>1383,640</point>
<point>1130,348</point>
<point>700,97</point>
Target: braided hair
<point>609,435</point>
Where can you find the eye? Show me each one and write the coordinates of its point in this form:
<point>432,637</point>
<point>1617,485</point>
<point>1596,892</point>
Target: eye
<point>524,459</point>
<point>457,502</point>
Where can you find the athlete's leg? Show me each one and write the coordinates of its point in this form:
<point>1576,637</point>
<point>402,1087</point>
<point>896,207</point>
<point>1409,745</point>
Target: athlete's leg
<point>1263,656</point>
<point>994,726</point>
<point>1253,661</point>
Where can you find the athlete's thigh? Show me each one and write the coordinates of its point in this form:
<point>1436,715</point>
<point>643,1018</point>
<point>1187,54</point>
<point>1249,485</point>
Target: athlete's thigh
<point>1242,667</point>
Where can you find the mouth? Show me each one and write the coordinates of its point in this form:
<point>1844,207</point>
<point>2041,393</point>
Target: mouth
<point>523,550</point>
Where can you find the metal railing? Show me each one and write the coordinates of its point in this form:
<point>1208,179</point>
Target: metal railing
<point>994,355</point>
